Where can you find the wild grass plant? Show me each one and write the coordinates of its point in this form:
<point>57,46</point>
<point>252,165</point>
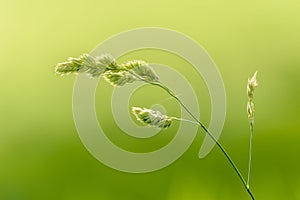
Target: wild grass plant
<point>119,74</point>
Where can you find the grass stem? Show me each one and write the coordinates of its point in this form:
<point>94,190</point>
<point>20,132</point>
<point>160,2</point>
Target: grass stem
<point>250,154</point>
<point>161,85</point>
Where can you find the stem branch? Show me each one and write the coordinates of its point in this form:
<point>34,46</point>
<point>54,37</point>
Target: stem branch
<point>159,84</point>
<point>250,154</point>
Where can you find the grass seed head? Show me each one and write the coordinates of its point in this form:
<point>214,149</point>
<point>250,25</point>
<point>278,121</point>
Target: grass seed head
<point>152,118</point>
<point>251,86</point>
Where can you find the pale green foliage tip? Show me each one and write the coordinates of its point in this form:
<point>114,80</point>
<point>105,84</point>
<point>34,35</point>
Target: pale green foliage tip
<point>105,65</point>
<point>152,118</point>
<point>142,69</point>
<point>72,65</point>
<point>251,86</point>
<point>119,78</point>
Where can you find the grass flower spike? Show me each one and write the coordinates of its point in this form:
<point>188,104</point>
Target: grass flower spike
<point>107,60</point>
<point>251,86</point>
<point>142,69</point>
<point>105,65</point>
<point>92,66</point>
<point>152,118</point>
<point>119,78</point>
<point>72,65</point>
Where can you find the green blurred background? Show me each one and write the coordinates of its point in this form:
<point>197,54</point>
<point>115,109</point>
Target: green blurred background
<point>41,155</point>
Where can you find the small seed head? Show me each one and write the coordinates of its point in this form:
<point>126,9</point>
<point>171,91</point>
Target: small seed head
<point>251,86</point>
<point>119,78</point>
<point>92,66</point>
<point>142,69</point>
<point>107,60</point>
<point>72,65</point>
<point>250,110</point>
<point>152,118</point>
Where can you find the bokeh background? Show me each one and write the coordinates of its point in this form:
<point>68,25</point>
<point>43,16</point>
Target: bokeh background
<point>41,155</point>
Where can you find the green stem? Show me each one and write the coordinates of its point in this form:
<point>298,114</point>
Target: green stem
<point>185,120</point>
<point>159,84</point>
<point>250,153</point>
<point>211,136</point>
